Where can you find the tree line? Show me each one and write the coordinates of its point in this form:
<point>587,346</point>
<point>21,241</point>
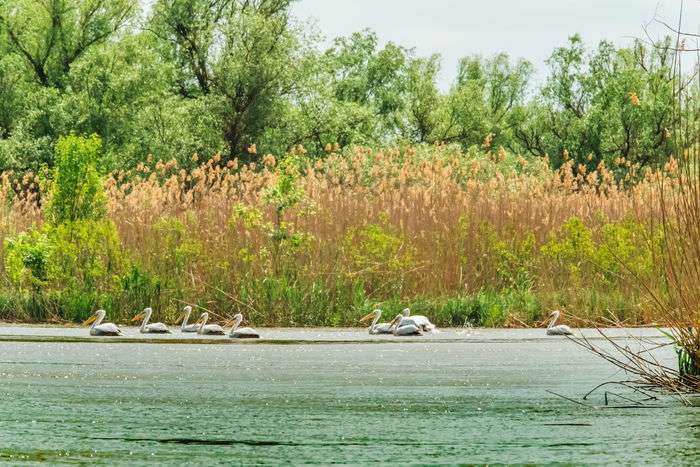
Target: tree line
<point>244,77</point>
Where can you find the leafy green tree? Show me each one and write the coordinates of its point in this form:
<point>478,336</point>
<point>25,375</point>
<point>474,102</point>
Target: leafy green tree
<point>77,250</point>
<point>603,106</point>
<point>50,35</point>
<point>40,44</point>
<point>356,92</point>
<point>486,99</point>
<point>241,58</point>
<point>122,91</point>
<point>422,101</point>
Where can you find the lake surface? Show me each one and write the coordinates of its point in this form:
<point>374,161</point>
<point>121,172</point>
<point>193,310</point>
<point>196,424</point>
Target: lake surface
<point>456,397</point>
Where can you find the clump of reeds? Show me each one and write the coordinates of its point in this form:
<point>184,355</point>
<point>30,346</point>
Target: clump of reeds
<point>464,236</point>
<point>671,215</point>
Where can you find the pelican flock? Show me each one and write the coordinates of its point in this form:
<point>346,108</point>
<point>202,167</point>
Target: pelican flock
<point>404,324</point>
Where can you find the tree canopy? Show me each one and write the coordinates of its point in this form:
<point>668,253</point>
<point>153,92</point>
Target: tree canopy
<point>225,76</point>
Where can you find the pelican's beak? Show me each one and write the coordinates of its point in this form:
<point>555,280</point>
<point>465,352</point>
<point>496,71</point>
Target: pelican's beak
<point>228,323</point>
<point>179,319</point>
<point>137,317</point>
<point>90,320</point>
<point>367,317</point>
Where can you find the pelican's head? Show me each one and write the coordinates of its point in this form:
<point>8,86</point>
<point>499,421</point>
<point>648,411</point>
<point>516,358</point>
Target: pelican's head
<point>374,314</point>
<point>238,317</point>
<point>397,320</point>
<point>406,312</point>
<point>92,318</point>
<point>185,314</point>
<point>554,313</point>
<point>98,315</point>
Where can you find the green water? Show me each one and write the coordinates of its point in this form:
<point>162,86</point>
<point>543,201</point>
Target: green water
<point>422,403</point>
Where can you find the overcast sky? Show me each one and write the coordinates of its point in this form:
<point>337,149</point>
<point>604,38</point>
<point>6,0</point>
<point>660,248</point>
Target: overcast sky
<point>524,28</point>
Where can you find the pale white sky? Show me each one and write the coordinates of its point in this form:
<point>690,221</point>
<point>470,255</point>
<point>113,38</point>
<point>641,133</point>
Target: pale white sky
<point>527,29</point>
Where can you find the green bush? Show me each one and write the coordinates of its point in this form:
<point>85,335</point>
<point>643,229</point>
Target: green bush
<point>76,191</point>
<point>28,259</point>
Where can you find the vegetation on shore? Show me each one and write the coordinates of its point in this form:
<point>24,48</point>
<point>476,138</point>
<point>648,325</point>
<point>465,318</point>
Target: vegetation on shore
<point>483,237</point>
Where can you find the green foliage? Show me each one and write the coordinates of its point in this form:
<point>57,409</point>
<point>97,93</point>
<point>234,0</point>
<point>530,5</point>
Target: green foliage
<point>203,77</point>
<point>486,100</point>
<point>77,192</point>
<point>28,259</point>
<point>79,255</point>
<point>69,263</point>
<point>608,104</point>
<point>688,363</point>
<point>136,287</point>
<point>379,257</point>
<point>571,248</point>
<point>181,250</point>
<point>51,35</point>
<point>621,248</point>
<point>88,254</point>
<point>287,191</point>
<point>515,262</point>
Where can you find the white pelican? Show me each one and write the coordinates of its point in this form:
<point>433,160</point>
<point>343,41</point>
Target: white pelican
<point>242,333</point>
<point>419,320</point>
<point>100,329</point>
<point>194,327</point>
<point>374,328</point>
<point>150,328</point>
<point>209,329</point>
<point>560,330</point>
<point>406,327</point>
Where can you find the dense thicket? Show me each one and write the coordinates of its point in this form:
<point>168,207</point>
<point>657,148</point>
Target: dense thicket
<point>208,76</point>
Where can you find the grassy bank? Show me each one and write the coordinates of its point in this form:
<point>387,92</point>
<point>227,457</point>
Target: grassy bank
<point>484,237</point>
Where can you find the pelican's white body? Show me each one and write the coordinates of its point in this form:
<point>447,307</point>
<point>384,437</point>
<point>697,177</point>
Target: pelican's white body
<point>152,328</point>
<point>560,330</point>
<point>242,333</point>
<point>381,328</point>
<point>209,329</point>
<point>188,327</point>
<point>103,329</point>
<point>406,327</point>
<point>419,321</point>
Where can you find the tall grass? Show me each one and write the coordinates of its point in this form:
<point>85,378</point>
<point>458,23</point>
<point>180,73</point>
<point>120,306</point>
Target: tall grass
<point>484,237</point>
